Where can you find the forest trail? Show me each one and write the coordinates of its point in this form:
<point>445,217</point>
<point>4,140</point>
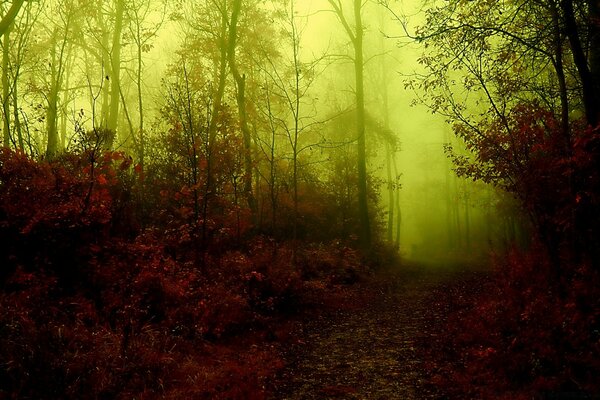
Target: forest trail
<point>370,351</point>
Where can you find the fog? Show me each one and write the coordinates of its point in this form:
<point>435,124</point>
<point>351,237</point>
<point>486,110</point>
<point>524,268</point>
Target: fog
<point>433,212</point>
<point>442,216</point>
<point>254,199</point>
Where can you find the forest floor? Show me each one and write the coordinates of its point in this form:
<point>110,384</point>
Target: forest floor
<point>366,342</point>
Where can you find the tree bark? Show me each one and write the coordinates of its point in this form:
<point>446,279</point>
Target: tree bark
<point>590,96</point>
<point>16,117</point>
<point>10,16</point>
<point>562,80</point>
<point>217,105</point>
<point>6,88</point>
<point>390,188</point>
<point>115,78</point>
<point>52,99</point>
<point>363,207</point>
<point>594,32</point>
<point>240,81</point>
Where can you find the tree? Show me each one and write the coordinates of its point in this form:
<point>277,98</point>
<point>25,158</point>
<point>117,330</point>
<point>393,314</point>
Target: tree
<point>11,68</point>
<point>102,46</point>
<point>10,16</point>
<point>355,35</point>
<point>288,82</point>
<point>58,39</point>
<point>515,79</point>
<point>142,32</point>
<point>240,82</point>
<point>115,69</point>
<point>6,87</point>
<point>382,79</point>
<point>582,30</point>
<point>17,44</point>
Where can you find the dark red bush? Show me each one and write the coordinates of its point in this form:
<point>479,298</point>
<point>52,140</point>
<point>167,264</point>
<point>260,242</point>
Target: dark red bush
<point>522,334</point>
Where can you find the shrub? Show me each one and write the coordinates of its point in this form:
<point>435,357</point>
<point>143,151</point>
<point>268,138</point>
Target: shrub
<point>523,333</point>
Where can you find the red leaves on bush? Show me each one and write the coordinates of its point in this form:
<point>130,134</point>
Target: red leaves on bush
<point>522,333</point>
<point>92,307</point>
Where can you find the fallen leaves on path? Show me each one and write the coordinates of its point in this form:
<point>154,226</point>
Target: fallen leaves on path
<point>369,348</point>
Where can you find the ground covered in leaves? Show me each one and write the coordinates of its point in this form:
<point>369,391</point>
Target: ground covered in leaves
<point>367,344</point>
<point>424,332</point>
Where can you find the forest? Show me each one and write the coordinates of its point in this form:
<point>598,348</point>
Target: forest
<point>300,199</point>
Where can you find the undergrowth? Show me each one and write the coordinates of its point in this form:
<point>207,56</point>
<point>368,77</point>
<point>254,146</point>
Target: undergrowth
<point>93,306</point>
<point>521,334</point>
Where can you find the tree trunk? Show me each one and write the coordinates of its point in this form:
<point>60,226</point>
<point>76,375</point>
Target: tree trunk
<point>51,120</point>
<point>52,100</point>
<point>10,16</point>
<point>594,51</point>
<point>240,81</point>
<point>562,81</point>
<point>65,98</point>
<point>467,205</point>
<point>16,117</point>
<point>590,96</point>
<point>363,207</point>
<point>57,68</point>
<point>217,105</point>
<point>6,88</point>
<point>105,61</point>
<point>115,78</point>
<point>141,150</point>
<point>397,201</point>
<point>390,187</point>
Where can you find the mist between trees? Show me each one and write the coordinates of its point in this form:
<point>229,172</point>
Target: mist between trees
<point>259,102</point>
<point>181,179</point>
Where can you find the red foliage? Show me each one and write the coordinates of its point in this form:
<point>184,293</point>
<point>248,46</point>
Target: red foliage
<point>91,306</point>
<point>521,334</point>
<point>551,169</point>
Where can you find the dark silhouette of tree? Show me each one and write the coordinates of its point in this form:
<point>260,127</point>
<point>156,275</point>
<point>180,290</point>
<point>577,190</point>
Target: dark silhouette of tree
<point>356,34</point>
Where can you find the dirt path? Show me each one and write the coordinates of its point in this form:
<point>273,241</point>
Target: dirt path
<point>369,352</point>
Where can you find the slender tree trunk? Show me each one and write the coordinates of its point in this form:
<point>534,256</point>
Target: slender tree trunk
<point>65,99</point>
<point>467,206</point>
<point>115,78</point>
<point>107,73</point>
<point>56,76</point>
<point>217,105</point>
<point>272,188</point>
<point>390,146</point>
<point>141,143</point>
<point>562,81</point>
<point>591,101</point>
<point>450,234</point>
<point>456,212</point>
<point>356,37</point>
<point>10,16</point>
<point>397,201</point>
<point>594,38</point>
<point>193,148</point>
<point>363,207</point>
<point>52,101</point>
<point>16,116</point>
<point>6,87</point>
<point>240,81</point>
<point>296,133</point>
<point>51,121</point>
<point>390,188</point>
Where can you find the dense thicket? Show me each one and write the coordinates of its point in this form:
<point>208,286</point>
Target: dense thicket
<point>97,302</point>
